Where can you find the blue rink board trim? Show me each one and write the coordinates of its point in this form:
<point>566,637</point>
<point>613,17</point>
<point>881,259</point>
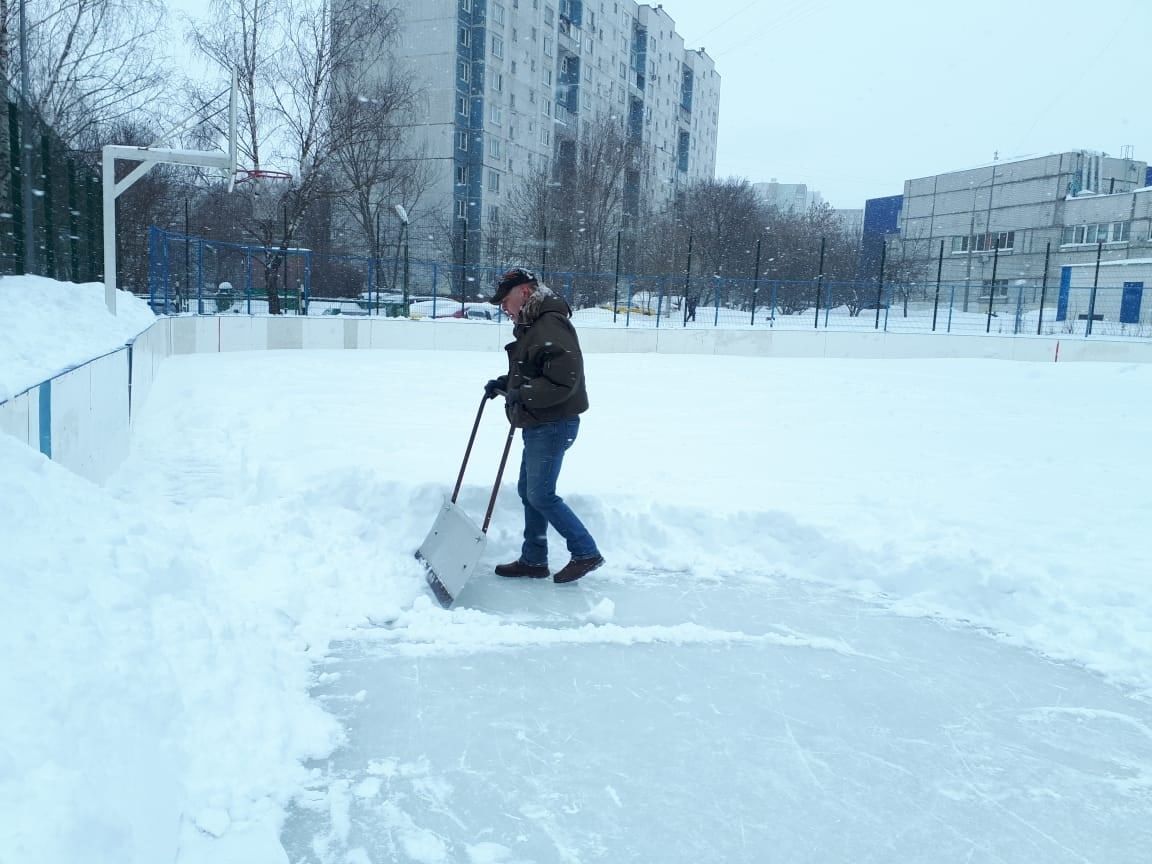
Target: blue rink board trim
<point>46,418</point>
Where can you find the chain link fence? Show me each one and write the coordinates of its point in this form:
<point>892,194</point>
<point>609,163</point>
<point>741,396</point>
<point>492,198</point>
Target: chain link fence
<point>194,275</point>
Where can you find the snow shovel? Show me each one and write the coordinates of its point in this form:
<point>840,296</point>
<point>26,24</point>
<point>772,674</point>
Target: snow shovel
<point>455,544</point>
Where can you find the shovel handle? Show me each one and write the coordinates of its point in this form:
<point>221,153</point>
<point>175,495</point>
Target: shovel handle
<point>499,475</point>
<point>468,451</point>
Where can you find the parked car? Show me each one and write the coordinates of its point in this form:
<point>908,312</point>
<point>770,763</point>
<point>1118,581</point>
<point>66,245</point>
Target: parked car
<point>160,306</point>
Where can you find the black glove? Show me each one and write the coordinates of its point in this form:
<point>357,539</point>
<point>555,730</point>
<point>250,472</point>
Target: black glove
<point>496,386</point>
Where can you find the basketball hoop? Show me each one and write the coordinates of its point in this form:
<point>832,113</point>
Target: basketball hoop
<point>243,175</point>
<point>266,188</point>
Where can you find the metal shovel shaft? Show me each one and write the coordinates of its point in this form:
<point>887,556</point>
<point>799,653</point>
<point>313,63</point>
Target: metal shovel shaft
<point>499,473</point>
<point>468,451</point>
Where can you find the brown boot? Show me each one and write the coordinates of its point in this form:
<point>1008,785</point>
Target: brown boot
<point>576,568</point>
<point>519,568</point>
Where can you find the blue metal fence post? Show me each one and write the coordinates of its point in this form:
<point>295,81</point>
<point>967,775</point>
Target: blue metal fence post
<point>166,267</point>
<point>772,308</point>
<point>659,300</point>
<point>887,306</point>
<point>951,306</point>
<point>248,278</point>
<point>435,287</point>
<point>719,286</point>
<point>1019,310</point>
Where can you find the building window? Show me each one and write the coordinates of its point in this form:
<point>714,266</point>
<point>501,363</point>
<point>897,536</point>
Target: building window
<point>549,14</point>
<point>494,213</point>
<point>498,82</point>
<point>465,5</point>
<point>465,36</point>
<point>546,136</point>
<point>1100,232</point>
<point>495,115</point>
<point>497,46</point>
<point>461,175</point>
<point>984,242</point>
<point>547,47</point>
<point>494,148</point>
<point>462,141</point>
<point>464,71</point>
<point>462,106</point>
<point>461,209</point>
<point>493,180</point>
<point>498,13</point>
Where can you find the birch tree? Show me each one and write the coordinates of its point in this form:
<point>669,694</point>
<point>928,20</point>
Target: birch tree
<point>92,63</point>
<point>302,111</point>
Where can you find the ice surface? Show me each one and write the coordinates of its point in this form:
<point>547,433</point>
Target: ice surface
<point>858,736</point>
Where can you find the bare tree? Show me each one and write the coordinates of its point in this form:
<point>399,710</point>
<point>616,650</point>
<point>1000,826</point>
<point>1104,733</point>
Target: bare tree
<point>373,105</point>
<point>306,105</point>
<point>571,212</point>
<point>92,63</point>
<point>594,192</point>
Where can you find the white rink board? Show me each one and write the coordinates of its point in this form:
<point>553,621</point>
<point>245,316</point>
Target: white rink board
<point>91,406</point>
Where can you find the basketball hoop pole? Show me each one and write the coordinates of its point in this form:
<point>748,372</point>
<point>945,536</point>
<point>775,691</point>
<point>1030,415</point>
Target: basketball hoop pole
<point>147,157</point>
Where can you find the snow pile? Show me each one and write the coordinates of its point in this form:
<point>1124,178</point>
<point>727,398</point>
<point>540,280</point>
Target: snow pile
<point>49,326</point>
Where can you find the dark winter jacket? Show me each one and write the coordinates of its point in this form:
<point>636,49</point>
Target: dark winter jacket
<point>545,366</point>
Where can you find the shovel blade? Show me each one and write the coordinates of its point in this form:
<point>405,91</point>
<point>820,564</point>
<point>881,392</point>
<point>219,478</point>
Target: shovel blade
<point>451,552</point>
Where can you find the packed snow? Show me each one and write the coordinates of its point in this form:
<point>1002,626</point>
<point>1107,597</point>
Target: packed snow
<point>836,590</point>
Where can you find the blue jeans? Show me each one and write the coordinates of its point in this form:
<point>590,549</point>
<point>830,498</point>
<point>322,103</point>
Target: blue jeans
<point>544,448</point>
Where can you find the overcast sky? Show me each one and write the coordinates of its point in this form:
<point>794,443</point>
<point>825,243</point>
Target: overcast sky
<point>854,98</point>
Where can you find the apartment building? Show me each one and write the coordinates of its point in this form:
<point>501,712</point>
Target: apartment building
<point>787,197</point>
<point>1020,221</point>
<point>509,86</point>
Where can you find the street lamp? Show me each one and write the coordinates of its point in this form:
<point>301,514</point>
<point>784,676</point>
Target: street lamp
<point>403,215</point>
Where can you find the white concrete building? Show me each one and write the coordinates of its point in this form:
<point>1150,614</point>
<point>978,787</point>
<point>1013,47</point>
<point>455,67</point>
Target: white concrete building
<point>508,83</point>
<point>1018,222</point>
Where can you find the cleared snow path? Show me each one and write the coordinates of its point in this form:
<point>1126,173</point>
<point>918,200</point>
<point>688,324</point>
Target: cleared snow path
<point>739,721</point>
